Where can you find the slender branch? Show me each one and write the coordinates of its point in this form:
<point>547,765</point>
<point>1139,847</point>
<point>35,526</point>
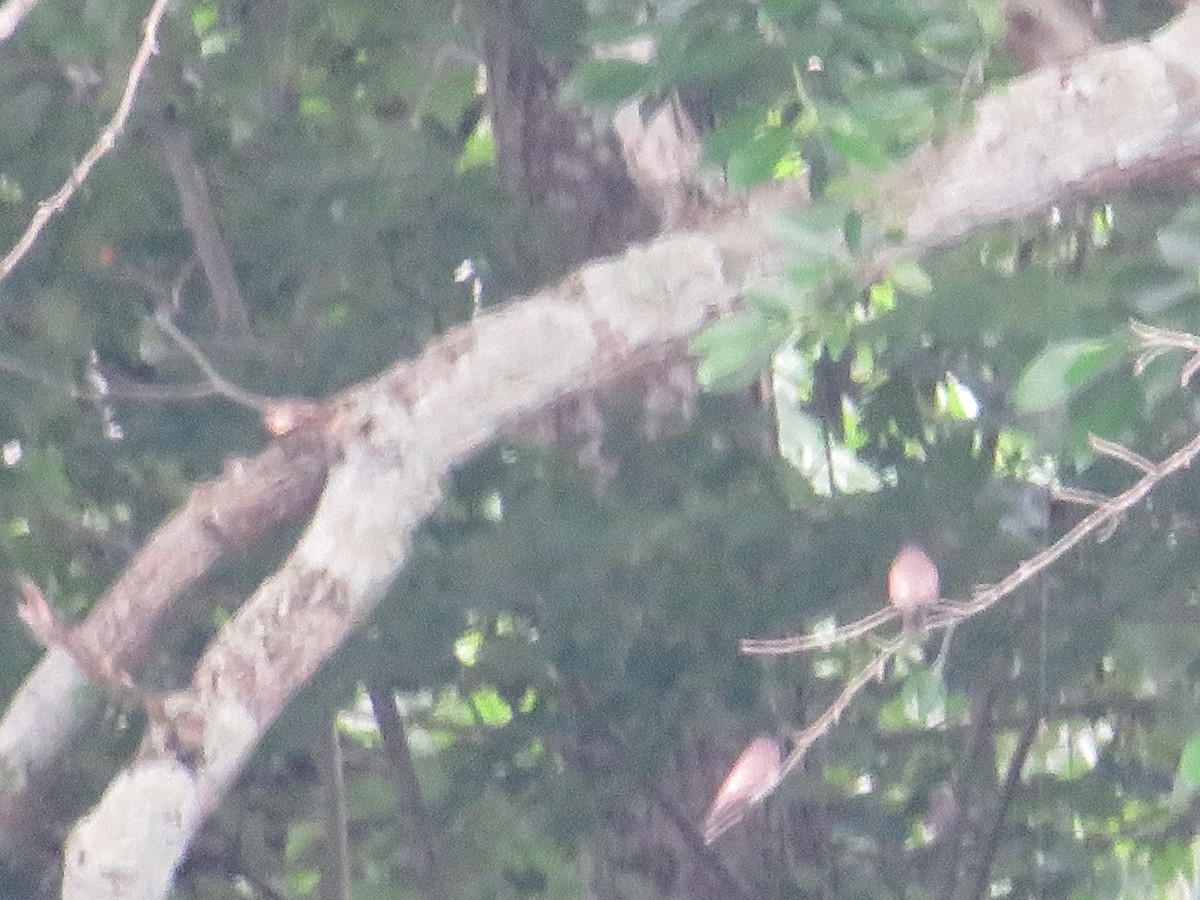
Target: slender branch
<point>987,597</point>
<point>220,384</point>
<point>1120,452</point>
<point>803,739</point>
<point>200,219</point>
<point>117,387</point>
<point>1078,496</point>
<point>104,143</point>
<point>947,615</point>
<point>819,640</point>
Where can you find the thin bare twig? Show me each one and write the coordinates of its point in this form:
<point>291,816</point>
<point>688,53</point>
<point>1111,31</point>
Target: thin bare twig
<point>104,143</point>
<point>200,219</point>
<point>803,739</point>
<point>1156,341</point>
<point>1120,452</point>
<point>819,640</point>
<point>947,615</point>
<point>1078,496</point>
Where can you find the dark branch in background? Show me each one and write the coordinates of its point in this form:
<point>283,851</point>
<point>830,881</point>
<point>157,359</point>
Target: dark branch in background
<point>1012,782</point>
<point>580,703</point>
<point>335,875</point>
<point>974,774</point>
<point>434,881</point>
<point>104,143</point>
<point>200,219</point>
<point>703,852</point>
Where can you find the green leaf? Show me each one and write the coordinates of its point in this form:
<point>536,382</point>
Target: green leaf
<point>479,151</point>
<point>857,146</point>
<point>607,82</point>
<point>924,693</point>
<point>491,707</point>
<point>757,160</point>
<point>733,349</point>
<point>909,277</point>
<point>803,440</point>
<point>1060,370</point>
<point>1188,776</point>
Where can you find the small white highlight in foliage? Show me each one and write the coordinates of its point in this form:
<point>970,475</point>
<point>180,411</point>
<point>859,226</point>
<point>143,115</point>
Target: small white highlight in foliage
<point>956,399</point>
<point>11,453</point>
<point>492,507</point>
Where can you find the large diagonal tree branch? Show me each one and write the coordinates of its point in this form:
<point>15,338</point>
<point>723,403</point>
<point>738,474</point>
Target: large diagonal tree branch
<point>1124,114</point>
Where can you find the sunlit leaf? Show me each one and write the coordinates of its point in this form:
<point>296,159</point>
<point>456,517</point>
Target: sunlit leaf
<point>1060,370</point>
<point>803,439</point>
<point>909,277</point>
<point>1188,773</point>
<point>734,348</point>
<point>491,707</point>
<point>607,82</point>
<point>757,160</point>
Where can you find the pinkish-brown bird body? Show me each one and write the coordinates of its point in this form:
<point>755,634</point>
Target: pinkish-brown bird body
<point>752,778</point>
<point>913,586</point>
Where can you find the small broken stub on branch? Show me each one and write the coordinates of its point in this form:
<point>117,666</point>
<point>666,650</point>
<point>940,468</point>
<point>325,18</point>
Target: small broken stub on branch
<point>37,615</point>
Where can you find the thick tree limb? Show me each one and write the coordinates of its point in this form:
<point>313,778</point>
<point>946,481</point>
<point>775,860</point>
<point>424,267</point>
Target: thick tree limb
<point>395,438</point>
<point>251,499</point>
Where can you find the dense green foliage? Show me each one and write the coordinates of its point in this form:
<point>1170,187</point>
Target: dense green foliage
<point>565,639</point>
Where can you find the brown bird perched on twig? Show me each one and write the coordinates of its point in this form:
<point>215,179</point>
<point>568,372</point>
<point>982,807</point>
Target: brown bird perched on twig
<point>752,778</point>
<point>913,586</point>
